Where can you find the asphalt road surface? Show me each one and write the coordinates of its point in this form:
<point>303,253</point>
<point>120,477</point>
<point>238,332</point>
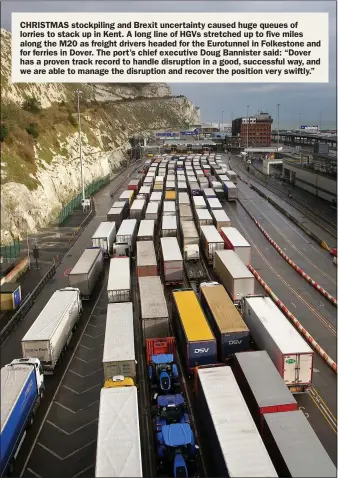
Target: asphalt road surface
<point>313,311</point>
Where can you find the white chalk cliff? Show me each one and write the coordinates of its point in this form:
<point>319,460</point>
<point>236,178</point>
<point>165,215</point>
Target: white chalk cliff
<point>41,173</point>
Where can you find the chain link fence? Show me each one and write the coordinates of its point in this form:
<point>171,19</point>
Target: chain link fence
<point>11,251</point>
<point>75,203</point>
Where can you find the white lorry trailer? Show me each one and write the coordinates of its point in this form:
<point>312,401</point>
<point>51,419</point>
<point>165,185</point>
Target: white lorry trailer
<point>22,388</point>
<point>211,242</point>
<point>118,287</point>
<point>230,190</point>
<point>232,444</point>
<point>86,271</point>
<point>118,451</point>
<point>104,237</point>
<point>52,331</point>
<point>272,331</point>
<point>119,350</point>
<point>154,310</point>
<point>126,238</point>
<point>234,275</point>
<point>234,240</point>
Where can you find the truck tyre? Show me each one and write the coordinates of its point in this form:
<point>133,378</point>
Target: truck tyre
<point>10,469</point>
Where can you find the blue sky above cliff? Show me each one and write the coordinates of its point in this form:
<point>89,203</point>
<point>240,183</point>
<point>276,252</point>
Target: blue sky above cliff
<point>315,101</point>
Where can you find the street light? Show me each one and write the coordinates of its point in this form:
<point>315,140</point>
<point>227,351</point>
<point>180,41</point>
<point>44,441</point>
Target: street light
<point>278,127</point>
<point>300,121</point>
<point>78,92</point>
<point>223,121</point>
<point>247,126</point>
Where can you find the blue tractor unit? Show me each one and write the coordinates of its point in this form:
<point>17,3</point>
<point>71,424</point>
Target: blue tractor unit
<point>163,375</point>
<point>170,409</point>
<point>176,449</point>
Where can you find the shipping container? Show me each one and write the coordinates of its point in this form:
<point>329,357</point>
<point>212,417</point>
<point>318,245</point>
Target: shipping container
<point>203,218</point>
<point>155,196</point>
<point>127,233</point>
<point>199,202</point>
<point>221,219</point>
<point>86,271</point>
<point>169,208</point>
<point>152,211</point>
<point>118,450</point>
<point>213,203</point>
<point>234,275</point>
<point>230,190</point>
<point>137,209</point>
<point>189,234</point>
<point>146,230</point>
<point>231,443</point>
<point>146,259</point>
<point>104,237</point>
<point>273,332</point>
<point>169,226</point>
<point>294,446</point>
<point>154,311</point>
<point>211,241</point>
<point>262,386</point>
<point>52,330</point>
<point>185,212</point>
<point>129,195</point>
<point>230,330</point>
<point>118,287</point>
<point>197,342</point>
<point>234,240</point>
<point>118,349</point>
<point>172,261</point>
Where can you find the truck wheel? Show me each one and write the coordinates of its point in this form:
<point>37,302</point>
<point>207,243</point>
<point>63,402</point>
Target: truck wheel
<point>31,421</point>
<point>10,469</point>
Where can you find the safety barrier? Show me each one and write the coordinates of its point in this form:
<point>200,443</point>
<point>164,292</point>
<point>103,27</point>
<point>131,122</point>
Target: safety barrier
<point>289,261</point>
<point>76,201</point>
<point>296,322</point>
<point>11,251</point>
<point>26,306</point>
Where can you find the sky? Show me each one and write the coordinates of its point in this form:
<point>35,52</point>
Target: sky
<point>308,104</point>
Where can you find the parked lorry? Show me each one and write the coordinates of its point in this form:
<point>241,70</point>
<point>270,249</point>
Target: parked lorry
<point>203,218</point>
<point>196,339</point>
<point>146,259</point>
<point>234,275</point>
<point>183,198</point>
<point>119,285</point>
<point>118,350</point>
<point>154,310</point>
<point>126,237</point>
<point>134,185</point>
<point>172,261</point>
<point>146,230</point>
<point>87,271</point>
<point>232,176</point>
<point>262,386</point>
<point>294,446</point>
<point>230,190</point>
<point>22,388</point>
<point>52,330</point>
<point>232,445</point>
<point>152,211</point>
<point>169,208</point>
<point>137,209</point>
<point>104,237</point>
<point>185,212</point>
<point>214,203</point>
<point>189,234</point>
<point>116,215</point>
<point>120,455</point>
<point>209,193</point>
<point>234,240</point>
<point>169,226</point>
<point>211,242</point>
<point>127,195</point>
<point>192,263</point>
<point>272,331</point>
<point>156,196</point>
<point>230,330</point>
<point>221,219</point>
<point>199,202</point>
<point>145,191</point>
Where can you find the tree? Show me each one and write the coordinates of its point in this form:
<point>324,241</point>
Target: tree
<point>3,132</point>
<point>32,129</point>
<point>33,105</point>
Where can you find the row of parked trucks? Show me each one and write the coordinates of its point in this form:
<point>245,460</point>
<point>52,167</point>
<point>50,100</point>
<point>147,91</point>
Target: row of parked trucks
<point>210,332</point>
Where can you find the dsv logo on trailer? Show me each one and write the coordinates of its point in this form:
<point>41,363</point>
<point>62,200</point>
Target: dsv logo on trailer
<point>201,351</point>
<point>235,342</point>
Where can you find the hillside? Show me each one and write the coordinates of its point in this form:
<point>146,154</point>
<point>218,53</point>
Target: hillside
<point>40,169</point>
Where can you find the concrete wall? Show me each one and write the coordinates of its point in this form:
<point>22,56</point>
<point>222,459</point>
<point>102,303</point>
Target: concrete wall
<point>316,184</point>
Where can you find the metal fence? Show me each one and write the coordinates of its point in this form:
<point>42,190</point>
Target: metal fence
<point>11,251</point>
<point>75,203</point>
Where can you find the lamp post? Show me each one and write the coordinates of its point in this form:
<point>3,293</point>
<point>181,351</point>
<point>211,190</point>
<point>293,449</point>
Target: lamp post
<point>278,127</point>
<point>300,121</point>
<point>78,92</point>
<point>247,126</point>
<point>222,121</point>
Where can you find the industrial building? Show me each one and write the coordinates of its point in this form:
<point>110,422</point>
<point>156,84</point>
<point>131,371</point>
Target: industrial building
<point>253,131</point>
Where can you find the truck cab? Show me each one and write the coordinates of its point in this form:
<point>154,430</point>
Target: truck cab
<point>170,409</point>
<point>192,253</point>
<point>121,250</point>
<point>38,368</point>
<point>163,374</point>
